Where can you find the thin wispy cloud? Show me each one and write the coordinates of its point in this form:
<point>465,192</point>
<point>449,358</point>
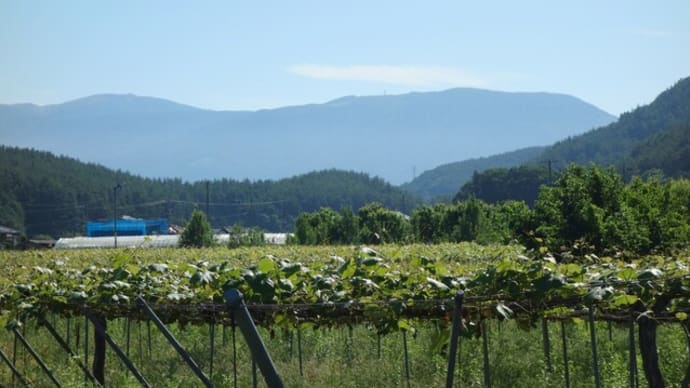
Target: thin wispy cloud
<point>392,74</point>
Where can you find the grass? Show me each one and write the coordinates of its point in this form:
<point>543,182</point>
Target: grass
<point>341,357</point>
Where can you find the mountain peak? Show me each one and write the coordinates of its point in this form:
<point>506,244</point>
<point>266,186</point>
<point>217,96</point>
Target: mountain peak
<point>127,102</point>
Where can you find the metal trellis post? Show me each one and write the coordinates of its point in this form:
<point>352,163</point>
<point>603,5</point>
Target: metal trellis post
<point>454,334</point>
<point>485,348</point>
<point>595,356</point>
<point>233,298</point>
<point>566,364</point>
<point>546,342</point>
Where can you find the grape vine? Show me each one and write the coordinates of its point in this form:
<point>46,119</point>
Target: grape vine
<point>387,289</point>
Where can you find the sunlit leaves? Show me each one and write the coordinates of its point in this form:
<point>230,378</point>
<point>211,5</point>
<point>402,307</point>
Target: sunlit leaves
<point>624,300</point>
<point>386,288</point>
<point>201,277</point>
<point>598,294</point>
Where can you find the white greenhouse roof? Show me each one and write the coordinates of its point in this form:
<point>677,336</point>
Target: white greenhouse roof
<point>122,242</point>
<point>156,241</point>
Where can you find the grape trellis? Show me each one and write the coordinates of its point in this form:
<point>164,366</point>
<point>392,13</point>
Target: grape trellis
<point>387,291</point>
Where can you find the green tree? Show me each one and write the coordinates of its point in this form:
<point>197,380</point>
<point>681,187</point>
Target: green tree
<point>240,236</point>
<point>654,215</point>
<point>327,226</point>
<point>379,225</point>
<point>197,232</point>
<point>578,206</point>
<point>304,232</point>
<point>502,184</point>
<point>348,226</point>
<point>426,223</point>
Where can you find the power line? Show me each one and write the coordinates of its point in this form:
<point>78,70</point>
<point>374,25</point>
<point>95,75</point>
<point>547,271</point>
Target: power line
<point>29,208</point>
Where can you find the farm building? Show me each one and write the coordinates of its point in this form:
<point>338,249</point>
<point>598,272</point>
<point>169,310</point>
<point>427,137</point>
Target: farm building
<point>9,238</point>
<point>128,227</point>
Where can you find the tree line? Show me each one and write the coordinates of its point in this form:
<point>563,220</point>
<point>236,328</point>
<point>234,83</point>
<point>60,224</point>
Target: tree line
<point>56,195</point>
<point>587,208</point>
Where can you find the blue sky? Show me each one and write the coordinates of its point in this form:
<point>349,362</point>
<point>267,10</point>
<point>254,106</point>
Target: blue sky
<point>253,55</point>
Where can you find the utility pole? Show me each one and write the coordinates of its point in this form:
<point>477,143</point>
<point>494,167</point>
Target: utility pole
<point>115,189</point>
<point>549,163</point>
<point>208,215</point>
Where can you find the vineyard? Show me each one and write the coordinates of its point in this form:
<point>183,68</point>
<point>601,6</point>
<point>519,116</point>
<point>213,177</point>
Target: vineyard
<point>396,300</point>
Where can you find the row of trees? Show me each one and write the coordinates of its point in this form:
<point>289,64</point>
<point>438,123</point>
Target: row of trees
<point>594,206</point>
<point>471,220</point>
<point>373,224</point>
<point>586,206</point>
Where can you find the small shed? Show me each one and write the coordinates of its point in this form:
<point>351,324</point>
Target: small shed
<point>9,238</point>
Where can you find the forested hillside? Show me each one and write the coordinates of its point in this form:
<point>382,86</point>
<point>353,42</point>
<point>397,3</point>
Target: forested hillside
<point>55,195</point>
<point>502,184</point>
<point>447,178</point>
<point>615,143</point>
<point>651,139</point>
<point>668,151</point>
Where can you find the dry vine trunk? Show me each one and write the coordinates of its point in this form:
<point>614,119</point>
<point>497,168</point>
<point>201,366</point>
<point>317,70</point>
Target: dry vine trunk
<point>647,329</point>
<point>650,357</point>
<point>99,353</point>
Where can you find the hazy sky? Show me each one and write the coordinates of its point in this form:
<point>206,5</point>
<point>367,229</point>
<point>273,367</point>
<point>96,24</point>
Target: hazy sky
<point>261,54</point>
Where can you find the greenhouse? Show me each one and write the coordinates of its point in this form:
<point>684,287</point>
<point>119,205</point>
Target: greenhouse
<point>155,241</point>
<point>128,227</point>
<point>158,241</point>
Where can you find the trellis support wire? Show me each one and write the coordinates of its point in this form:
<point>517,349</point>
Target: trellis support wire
<point>65,346</point>
<point>128,363</point>
<point>15,372</point>
<point>180,350</point>
<point>37,357</point>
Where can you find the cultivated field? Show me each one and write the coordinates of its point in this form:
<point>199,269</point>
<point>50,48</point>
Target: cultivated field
<point>349,316</point>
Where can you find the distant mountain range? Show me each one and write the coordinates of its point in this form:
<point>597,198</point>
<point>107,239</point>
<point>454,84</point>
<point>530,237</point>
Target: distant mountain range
<point>385,136</point>
<point>651,137</point>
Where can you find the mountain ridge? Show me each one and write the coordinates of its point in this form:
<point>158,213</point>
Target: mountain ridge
<point>652,137</point>
<point>665,118</point>
<point>384,136</point>
<point>446,179</point>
